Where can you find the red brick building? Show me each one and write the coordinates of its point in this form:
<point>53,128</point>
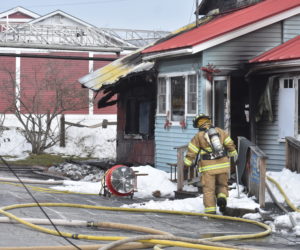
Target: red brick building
<point>34,49</point>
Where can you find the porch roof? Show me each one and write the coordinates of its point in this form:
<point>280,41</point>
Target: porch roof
<point>221,28</point>
<point>287,51</point>
<point>115,71</point>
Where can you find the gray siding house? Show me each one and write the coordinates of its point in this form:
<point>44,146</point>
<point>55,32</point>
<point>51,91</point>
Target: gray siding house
<point>205,68</point>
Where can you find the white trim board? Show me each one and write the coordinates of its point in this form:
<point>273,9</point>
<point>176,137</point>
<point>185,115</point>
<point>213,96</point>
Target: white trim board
<point>19,9</point>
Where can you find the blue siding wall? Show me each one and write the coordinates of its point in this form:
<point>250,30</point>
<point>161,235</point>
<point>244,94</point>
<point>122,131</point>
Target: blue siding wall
<point>232,54</point>
<point>267,139</point>
<point>267,132</point>
<point>291,28</point>
<point>167,139</point>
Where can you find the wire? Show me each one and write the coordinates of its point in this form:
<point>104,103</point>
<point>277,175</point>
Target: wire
<point>38,204</point>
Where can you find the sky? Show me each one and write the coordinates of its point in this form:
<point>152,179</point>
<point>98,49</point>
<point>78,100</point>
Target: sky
<point>163,15</point>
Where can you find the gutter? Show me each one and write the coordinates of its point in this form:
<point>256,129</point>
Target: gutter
<point>181,52</point>
<point>273,66</point>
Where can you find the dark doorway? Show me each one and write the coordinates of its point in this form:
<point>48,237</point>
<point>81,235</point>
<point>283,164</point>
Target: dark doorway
<point>220,103</point>
<point>239,106</point>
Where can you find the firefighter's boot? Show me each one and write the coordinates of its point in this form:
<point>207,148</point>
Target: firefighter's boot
<point>221,202</point>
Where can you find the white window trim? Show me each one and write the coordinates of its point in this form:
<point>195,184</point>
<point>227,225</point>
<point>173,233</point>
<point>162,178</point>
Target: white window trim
<point>157,105</point>
<point>210,98</point>
<point>168,77</point>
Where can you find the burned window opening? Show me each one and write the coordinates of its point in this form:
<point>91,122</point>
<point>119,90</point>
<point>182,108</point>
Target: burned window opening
<point>139,106</point>
<point>139,118</point>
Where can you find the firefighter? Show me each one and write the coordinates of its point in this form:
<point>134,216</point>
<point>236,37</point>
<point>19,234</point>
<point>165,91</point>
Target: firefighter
<point>213,147</point>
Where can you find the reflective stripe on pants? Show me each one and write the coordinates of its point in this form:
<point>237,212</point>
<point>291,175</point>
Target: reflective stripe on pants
<point>212,185</point>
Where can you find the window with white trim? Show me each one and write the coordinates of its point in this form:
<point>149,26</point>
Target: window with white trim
<point>162,95</point>
<point>177,96</point>
<point>192,94</point>
<point>289,107</point>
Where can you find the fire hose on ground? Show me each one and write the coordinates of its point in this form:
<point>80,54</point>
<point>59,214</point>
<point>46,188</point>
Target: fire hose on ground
<point>168,240</point>
<point>156,238</point>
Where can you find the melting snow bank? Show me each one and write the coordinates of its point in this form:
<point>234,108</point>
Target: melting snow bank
<point>80,187</point>
<point>187,205</point>
<point>290,183</point>
<point>154,180</point>
<point>240,200</point>
<point>283,224</point>
<point>196,204</point>
<point>13,143</point>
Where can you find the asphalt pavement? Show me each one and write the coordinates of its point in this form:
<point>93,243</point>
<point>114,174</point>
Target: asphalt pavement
<point>18,235</point>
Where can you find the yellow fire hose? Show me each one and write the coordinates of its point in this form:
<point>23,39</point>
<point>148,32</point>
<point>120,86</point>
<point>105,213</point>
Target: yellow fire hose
<point>160,237</point>
<point>287,200</point>
<point>151,241</point>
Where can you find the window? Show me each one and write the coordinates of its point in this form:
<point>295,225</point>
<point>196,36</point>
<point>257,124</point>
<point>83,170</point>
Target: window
<point>161,92</point>
<point>138,114</point>
<point>177,96</point>
<point>192,94</point>
<point>289,107</point>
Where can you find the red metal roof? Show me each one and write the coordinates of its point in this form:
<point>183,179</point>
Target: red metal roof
<point>225,24</point>
<point>287,51</point>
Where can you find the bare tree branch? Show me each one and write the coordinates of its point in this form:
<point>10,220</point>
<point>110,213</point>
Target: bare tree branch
<point>45,94</point>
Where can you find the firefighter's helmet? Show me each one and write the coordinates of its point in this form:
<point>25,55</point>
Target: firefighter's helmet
<point>200,120</point>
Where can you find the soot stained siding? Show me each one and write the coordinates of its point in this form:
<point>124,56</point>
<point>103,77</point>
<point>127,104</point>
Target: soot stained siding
<point>135,129</point>
<point>267,138</point>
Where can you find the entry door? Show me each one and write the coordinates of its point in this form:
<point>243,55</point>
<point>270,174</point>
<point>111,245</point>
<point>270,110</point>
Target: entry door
<point>220,105</point>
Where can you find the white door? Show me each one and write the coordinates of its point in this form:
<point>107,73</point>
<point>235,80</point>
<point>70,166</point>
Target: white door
<point>287,108</point>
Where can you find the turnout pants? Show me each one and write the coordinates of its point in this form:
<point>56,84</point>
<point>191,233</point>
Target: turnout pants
<point>214,184</point>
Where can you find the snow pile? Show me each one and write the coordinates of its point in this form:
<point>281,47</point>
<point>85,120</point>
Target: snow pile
<point>154,181</point>
<point>89,142</point>
<point>188,205</point>
<point>240,199</point>
<point>289,181</point>
<point>13,143</point>
<point>85,187</point>
<point>82,142</point>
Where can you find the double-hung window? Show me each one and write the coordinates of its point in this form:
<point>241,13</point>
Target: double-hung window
<point>177,96</point>
<point>289,107</point>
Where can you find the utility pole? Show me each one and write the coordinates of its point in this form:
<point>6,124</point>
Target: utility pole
<point>197,12</point>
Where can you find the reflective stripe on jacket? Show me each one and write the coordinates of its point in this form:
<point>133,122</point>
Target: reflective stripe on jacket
<point>200,145</point>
